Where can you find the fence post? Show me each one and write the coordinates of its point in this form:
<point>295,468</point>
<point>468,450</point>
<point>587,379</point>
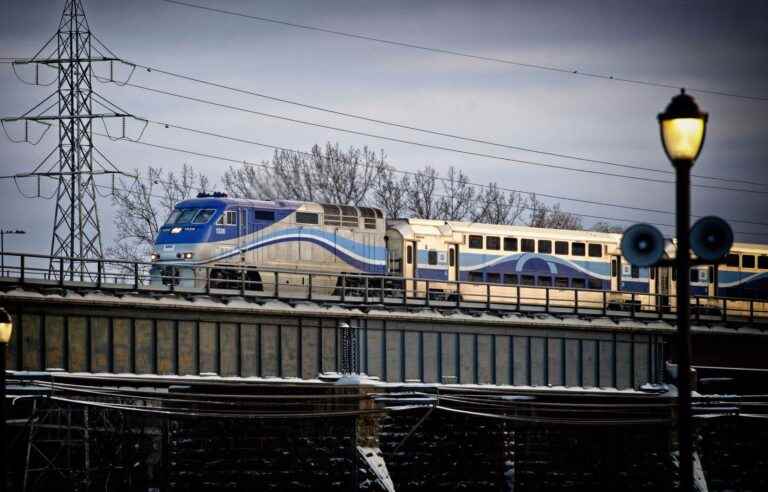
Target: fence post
<point>698,308</point>
<point>576,301</point>
<point>277,284</point>
<point>605,303</point>
<point>98,274</point>
<point>135,276</point>
<point>242,280</point>
<point>426,298</point>
<point>381,290</point>
<point>405,292</point>
<point>632,305</point>
<point>61,271</point>
<point>487,296</point>
<point>365,291</point>
<point>546,299</point>
<point>22,268</point>
<point>309,292</point>
<point>458,294</point>
<point>751,310</point>
<point>725,309</point>
<point>517,295</point>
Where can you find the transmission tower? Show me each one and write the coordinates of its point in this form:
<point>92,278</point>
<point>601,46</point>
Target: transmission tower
<point>71,52</point>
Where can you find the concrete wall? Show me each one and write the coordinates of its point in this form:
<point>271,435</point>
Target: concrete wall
<point>118,338</point>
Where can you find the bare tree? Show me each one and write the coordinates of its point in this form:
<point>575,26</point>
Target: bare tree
<point>325,174</point>
<point>421,196</point>
<point>607,227</point>
<point>552,217</point>
<point>458,198</point>
<point>497,207</point>
<point>141,207</point>
<point>390,193</point>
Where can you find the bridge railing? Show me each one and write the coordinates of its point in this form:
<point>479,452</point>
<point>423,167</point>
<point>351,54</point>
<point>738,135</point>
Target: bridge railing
<point>287,284</point>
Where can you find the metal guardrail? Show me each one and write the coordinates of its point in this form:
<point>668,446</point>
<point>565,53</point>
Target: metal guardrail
<point>295,285</point>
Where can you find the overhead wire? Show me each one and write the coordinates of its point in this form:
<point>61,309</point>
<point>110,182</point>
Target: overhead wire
<point>254,164</point>
<point>412,173</point>
<point>426,130</point>
<point>537,66</point>
<point>436,147</point>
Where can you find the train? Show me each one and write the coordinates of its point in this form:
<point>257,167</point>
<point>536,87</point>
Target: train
<point>221,241</point>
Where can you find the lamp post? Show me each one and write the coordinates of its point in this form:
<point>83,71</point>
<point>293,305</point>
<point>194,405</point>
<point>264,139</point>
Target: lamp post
<point>6,327</point>
<point>3,232</point>
<point>683,127</point>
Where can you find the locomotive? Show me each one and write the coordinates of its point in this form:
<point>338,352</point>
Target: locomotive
<point>219,240</point>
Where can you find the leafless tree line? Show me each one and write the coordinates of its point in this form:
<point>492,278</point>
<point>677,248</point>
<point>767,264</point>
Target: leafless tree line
<point>330,174</point>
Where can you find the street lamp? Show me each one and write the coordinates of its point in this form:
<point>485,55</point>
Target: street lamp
<point>6,327</point>
<point>683,127</point>
<point>3,232</point>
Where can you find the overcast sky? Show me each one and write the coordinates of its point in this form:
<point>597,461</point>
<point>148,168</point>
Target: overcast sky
<point>716,45</point>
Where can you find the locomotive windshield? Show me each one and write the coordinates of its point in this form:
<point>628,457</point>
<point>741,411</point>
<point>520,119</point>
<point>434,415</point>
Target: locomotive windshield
<point>187,215</point>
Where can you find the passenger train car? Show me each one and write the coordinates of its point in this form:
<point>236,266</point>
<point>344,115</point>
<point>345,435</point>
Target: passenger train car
<point>208,239</point>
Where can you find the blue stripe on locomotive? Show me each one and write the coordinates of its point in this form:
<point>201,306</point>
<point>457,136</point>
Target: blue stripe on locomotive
<point>361,256</point>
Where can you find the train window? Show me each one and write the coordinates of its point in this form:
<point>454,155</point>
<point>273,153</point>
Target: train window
<point>578,283</point>
<point>596,250</point>
<point>510,278</point>
<point>762,262</point>
<point>370,223</point>
<point>173,218</point>
<point>186,215</point>
<point>331,215</point>
<point>432,257</point>
<point>748,261</point>
<point>492,242</point>
<point>545,280</point>
<point>635,272</point>
<point>228,218</point>
<point>510,244</point>
<point>594,283</point>
<point>379,213</point>
<point>732,260</point>
<point>527,280</point>
<point>561,247</point>
<point>265,215</point>
<point>451,257</point>
<point>694,275</point>
<point>561,281</point>
<point>475,276</point>
<point>578,249</point>
<point>307,218</point>
<point>367,212</point>
<point>409,254</point>
<point>493,278</point>
<point>476,242</point>
<point>203,216</point>
<point>545,246</point>
<point>528,245</point>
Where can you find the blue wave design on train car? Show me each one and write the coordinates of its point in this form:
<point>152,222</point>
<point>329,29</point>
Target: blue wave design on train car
<point>533,263</point>
<point>743,284</point>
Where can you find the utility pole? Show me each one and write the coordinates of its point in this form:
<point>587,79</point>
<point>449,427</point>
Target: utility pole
<point>71,51</point>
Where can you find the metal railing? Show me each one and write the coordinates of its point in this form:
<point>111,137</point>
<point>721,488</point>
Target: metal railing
<point>332,287</point>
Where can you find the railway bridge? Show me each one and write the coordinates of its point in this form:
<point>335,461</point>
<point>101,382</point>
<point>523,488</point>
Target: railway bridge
<point>507,386</point>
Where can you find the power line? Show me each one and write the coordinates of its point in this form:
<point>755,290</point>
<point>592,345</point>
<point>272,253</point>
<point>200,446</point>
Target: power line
<point>434,147</point>
<point>411,173</point>
<point>428,131</point>
<point>254,164</point>
<point>537,66</point>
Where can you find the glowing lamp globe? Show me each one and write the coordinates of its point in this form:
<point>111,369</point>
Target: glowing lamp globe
<point>683,127</point>
<point>6,326</point>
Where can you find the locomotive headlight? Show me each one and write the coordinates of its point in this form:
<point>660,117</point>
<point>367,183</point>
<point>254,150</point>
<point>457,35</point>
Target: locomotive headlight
<point>176,230</point>
<point>188,256</point>
<point>154,256</point>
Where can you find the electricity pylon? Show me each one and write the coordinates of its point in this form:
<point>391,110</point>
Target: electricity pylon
<point>71,51</point>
